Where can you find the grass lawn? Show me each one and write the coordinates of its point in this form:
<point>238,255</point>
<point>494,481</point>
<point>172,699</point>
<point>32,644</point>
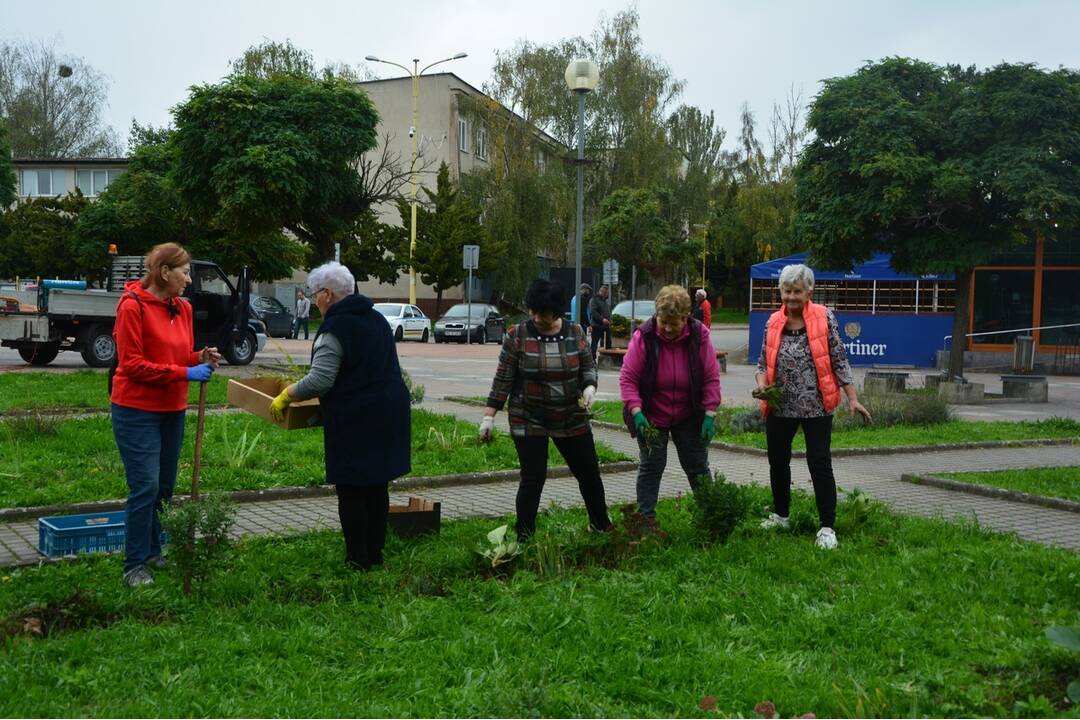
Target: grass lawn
<point>1059,482</point>
<point>77,390</point>
<point>909,617</point>
<point>78,460</point>
<point>954,431</point>
<point>730,316</point>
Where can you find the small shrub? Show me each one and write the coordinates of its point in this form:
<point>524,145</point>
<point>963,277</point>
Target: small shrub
<point>719,506</point>
<point>499,550</point>
<point>911,409</point>
<point>747,420</point>
<point>199,535</point>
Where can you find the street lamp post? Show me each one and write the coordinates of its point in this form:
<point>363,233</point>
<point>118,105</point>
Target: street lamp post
<point>415,75</point>
<point>581,77</point>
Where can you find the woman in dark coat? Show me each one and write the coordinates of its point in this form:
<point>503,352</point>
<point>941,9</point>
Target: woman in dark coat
<point>365,409</point>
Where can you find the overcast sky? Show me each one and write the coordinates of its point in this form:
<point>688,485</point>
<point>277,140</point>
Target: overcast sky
<point>726,51</point>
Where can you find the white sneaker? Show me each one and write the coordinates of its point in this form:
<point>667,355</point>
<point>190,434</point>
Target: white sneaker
<point>775,521</point>
<point>826,538</point>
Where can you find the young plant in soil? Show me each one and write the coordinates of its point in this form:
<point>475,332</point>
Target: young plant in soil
<point>199,533</point>
<point>719,506</point>
<point>771,394</point>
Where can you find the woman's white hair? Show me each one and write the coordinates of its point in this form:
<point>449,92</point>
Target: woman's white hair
<point>797,274</point>
<point>333,276</point>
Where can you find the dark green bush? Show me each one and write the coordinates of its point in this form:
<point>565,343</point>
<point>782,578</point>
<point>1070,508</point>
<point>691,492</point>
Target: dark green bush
<point>747,420</point>
<point>199,535</point>
<point>719,506</point>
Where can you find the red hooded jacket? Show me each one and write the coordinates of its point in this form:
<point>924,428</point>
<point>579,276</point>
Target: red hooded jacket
<point>154,341</point>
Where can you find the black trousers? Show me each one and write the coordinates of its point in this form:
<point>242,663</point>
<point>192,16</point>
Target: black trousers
<point>580,455</point>
<point>599,332</point>
<point>363,510</point>
<point>779,432</point>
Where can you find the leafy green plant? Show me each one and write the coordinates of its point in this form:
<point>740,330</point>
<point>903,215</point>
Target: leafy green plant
<point>240,454</point>
<point>416,392</point>
<point>199,535</point>
<point>771,394</point>
<point>747,420</point>
<point>499,550</point>
<point>1068,638</point>
<point>450,439</point>
<point>893,409</point>
<point>651,436</point>
<point>719,506</point>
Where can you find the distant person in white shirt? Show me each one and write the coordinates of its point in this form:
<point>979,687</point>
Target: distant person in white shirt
<point>303,310</point>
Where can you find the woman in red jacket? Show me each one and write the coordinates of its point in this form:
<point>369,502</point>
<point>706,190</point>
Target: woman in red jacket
<point>154,341</point>
<point>802,355</point>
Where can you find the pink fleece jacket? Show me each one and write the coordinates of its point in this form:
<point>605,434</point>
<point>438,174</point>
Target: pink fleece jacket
<point>671,402</point>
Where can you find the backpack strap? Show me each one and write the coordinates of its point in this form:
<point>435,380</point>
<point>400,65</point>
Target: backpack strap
<point>116,356</point>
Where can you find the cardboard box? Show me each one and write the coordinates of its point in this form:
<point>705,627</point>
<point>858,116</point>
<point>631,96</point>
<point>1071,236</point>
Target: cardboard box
<point>419,517</point>
<point>255,395</point>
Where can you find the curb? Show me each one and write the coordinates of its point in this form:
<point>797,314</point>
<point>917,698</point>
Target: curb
<point>8,515</point>
<point>992,492</point>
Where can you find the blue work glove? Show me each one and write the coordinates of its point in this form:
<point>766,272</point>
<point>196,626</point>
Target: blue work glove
<point>200,373</point>
<point>641,423</point>
<point>708,428</point>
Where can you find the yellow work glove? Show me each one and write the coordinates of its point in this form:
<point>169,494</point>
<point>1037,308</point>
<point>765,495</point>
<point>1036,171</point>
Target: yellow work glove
<point>277,408</point>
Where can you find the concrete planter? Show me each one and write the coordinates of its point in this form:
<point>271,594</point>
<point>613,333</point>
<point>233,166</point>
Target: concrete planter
<point>1032,388</point>
<point>956,393</point>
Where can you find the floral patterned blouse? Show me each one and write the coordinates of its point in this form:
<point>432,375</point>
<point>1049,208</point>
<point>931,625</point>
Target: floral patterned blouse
<point>795,373</point>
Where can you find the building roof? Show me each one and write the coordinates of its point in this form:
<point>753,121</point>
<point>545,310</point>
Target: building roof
<point>69,161</point>
<point>547,138</point>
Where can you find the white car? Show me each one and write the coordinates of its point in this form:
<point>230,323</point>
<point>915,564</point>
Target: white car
<point>406,321</point>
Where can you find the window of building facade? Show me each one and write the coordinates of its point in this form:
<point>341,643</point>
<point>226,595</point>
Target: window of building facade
<point>463,135</point>
<point>1004,300</point>
<point>93,182</point>
<point>42,183</point>
<point>481,143</point>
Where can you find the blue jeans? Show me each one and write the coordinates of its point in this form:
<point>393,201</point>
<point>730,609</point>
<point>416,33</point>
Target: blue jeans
<point>149,444</point>
<point>296,328</point>
<point>693,456</point>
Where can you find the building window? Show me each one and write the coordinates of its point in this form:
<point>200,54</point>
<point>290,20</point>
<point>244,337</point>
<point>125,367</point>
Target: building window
<point>1004,300</point>
<point>93,182</point>
<point>463,135</point>
<point>481,143</point>
<point>42,183</point>
<point>1060,306</point>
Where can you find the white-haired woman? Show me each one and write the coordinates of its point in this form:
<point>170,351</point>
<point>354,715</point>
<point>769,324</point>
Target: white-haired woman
<point>365,409</point>
<point>801,353</point>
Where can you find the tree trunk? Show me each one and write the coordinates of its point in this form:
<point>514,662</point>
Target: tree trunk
<point>438,303</point>
<point>964,278</point>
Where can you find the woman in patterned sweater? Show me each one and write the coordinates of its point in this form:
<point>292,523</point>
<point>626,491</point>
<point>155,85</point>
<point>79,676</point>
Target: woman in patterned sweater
<point>548,375</point>
<point>802,355</point>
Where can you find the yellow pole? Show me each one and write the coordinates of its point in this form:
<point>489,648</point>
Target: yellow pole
<point>412,180</point>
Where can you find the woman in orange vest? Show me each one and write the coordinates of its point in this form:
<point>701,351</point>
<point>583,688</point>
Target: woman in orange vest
<point>802,355</point>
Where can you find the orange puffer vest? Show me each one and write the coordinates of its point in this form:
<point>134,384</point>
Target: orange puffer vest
<point>817,333</point>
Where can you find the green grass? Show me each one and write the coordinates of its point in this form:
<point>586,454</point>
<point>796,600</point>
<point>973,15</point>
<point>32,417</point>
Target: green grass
<point>1059,482</point>
<point>909,617</point>
<point>730,316</point>
<point>954,431</point>
<point>79,462</point>
<point>79,390</point>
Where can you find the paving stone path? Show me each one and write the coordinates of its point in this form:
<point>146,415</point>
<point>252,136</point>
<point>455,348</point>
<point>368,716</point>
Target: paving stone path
<point>877,475</point>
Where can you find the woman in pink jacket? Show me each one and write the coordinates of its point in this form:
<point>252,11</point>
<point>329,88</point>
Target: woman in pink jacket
<point>670,381</point>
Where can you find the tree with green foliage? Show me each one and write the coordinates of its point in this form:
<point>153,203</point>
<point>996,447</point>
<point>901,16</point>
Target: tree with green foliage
<point>941,166</point>
<point>257,155</point>
<point>143,207</point>
<point>8,178</point>
<point>272,58</point>
<point>445,223</point>
<point>373,249</point>
<point>631,228</point>
<point>40,238</point>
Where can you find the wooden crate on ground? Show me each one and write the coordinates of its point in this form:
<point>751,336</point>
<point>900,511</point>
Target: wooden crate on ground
<point>419,517</point>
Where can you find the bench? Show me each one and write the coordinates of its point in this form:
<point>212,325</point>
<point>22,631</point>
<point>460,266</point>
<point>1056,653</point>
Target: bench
<point>613,357</point>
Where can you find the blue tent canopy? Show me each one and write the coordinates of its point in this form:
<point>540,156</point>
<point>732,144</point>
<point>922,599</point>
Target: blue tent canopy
<point>876,268</point>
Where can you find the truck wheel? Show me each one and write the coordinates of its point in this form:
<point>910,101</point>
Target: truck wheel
<point>39,354</point>
<point>99,349</point>
<point>243,352</point>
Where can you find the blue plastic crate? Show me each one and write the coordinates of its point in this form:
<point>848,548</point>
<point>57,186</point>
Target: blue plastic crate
<point>74,534</point>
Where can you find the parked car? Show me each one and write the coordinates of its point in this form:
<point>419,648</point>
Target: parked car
<point>407,321</point>
<point>487,324</point>
<point>276,317</point>
<point>642,310</point>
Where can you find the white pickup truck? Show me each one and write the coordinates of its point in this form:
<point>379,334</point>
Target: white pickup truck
<point>68,317</point>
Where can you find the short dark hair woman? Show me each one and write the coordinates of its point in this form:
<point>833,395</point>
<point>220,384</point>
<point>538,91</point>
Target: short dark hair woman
<point>155,362</point>
<point>365,409</point>
<point>549,377</point>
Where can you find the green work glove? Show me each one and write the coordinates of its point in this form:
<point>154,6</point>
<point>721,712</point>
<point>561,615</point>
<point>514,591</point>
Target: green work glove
<point>641,423</point>
<point>708,428</point>
<point>277,408</point>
